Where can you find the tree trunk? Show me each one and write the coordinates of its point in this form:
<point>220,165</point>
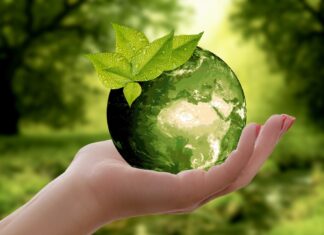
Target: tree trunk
<point>9,115</point>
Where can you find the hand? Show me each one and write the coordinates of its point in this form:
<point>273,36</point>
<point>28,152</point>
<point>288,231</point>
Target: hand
<point>99,186</point>
<point>123,191</point>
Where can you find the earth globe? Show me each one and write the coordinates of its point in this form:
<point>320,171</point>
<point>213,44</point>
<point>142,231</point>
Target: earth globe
<point>187,118</point>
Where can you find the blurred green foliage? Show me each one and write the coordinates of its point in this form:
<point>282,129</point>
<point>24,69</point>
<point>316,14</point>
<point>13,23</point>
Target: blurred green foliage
<point>27,163</point>
<point>41,48</point>
<point>291,32</point>
<point>287,196</point>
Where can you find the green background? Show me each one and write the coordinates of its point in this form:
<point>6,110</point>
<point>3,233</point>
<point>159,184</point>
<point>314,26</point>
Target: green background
<point>275,48</point>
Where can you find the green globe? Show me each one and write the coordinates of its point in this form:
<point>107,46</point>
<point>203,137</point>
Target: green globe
<point>190,117</point>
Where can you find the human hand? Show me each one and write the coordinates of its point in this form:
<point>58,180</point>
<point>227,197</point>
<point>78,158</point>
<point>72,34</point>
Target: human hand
<point>121,191</point>
<point>99,186</point>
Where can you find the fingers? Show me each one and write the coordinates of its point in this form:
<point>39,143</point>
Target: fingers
<point>222,175</point>
<point>219,177</point>
<point>265,144</point>
<point>164,192</point>
<point>269,135</point>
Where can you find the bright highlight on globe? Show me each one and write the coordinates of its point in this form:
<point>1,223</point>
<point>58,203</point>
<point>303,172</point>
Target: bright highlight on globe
<point>188,117</point>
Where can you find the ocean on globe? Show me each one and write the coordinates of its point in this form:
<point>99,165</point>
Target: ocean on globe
<point>187,118</point>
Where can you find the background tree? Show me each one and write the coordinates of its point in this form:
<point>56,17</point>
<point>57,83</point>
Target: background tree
<point>41,48</point>
<point>292,34</point>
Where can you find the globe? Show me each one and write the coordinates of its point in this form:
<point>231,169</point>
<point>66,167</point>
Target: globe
<point>187,118</point>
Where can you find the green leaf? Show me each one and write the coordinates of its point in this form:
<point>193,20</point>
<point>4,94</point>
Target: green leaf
<point>131,91</point>
<point>113,69</point>
<point>138,60</point>
<point>183,47</point>
<point>150,61</point>
<point>128,40</point>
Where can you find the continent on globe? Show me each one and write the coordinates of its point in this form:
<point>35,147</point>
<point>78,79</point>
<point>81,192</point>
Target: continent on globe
<point>189,117</point>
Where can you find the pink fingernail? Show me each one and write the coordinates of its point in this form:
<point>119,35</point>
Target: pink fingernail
<point>283,118</point>
<point>257,129</point>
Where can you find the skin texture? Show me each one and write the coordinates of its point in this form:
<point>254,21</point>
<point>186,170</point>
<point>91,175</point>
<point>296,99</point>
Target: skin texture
<point>100,187</point>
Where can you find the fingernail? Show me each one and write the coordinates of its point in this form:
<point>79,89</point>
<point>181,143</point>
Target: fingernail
<point>287,122</point>
<point>257,129</point>
<point>283,119</point>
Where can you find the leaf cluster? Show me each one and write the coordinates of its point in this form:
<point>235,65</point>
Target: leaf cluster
<point>138,60</point>
<point>42,45</point>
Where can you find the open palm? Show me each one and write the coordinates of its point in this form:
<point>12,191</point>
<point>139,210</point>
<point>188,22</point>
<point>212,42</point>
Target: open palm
<point>124,191</point>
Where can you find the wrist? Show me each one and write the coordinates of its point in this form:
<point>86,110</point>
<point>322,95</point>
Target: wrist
<point>85,212</point>
<point>64,206</point>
